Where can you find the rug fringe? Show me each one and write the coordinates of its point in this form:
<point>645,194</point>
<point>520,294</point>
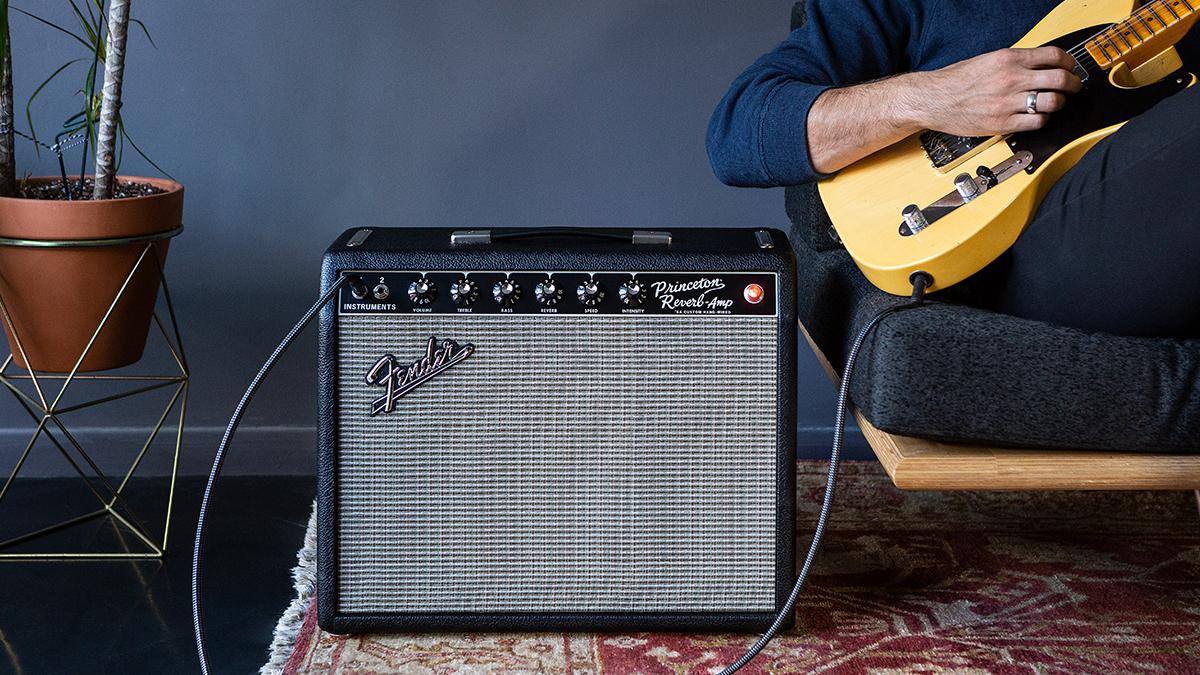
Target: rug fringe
<point>283,641</point>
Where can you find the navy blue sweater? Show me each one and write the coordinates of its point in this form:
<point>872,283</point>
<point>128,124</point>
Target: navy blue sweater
<point>757,135</point>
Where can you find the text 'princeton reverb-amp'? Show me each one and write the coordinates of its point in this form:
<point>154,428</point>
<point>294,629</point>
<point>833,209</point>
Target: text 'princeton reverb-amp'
<point>560,429</point>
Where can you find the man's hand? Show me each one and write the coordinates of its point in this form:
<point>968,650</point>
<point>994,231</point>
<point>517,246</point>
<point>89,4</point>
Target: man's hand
<point>986,95</point>
<point>982,96</point>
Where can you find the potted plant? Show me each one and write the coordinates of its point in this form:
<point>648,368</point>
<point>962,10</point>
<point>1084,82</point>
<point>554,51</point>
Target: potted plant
<point>57,295</point>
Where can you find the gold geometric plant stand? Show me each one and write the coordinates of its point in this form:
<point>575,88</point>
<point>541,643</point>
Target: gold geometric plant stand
<point>41,396</point>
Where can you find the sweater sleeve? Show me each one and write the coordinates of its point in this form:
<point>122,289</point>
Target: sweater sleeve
<point>757,136</point>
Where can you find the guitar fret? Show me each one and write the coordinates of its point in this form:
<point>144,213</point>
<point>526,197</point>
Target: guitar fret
<point>1153,9</point>
<point>1096,48</point>
<point>1133,30</point>
<point>1122,39</point>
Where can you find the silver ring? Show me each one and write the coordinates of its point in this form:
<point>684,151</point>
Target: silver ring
<point>1031,102</point>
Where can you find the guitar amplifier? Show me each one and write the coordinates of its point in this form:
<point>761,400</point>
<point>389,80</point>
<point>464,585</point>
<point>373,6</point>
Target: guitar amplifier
<point>556,429</point>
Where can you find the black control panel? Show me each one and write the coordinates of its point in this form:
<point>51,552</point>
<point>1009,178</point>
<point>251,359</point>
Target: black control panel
<point>550,293</point>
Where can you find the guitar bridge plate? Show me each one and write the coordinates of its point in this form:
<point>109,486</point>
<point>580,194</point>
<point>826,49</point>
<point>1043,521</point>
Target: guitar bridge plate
<point>985,180</point>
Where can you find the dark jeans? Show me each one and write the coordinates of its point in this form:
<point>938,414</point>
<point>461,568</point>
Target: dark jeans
<point>1115,247</point>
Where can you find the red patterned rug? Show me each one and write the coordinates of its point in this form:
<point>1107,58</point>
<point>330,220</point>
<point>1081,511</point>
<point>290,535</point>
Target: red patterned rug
<point>905,583</point>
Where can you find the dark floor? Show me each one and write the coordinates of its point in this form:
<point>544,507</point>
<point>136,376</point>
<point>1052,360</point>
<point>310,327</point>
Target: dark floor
<point>135,617</point>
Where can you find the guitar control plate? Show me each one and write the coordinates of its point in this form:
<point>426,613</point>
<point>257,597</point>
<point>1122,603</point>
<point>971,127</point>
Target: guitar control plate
<point>985,179</point>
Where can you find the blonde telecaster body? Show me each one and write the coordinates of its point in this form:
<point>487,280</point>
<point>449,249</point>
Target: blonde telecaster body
<point>865,201</point>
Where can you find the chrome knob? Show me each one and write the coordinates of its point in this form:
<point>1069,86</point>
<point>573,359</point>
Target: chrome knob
<point>464,292</point>
<point>631,292</point>
<point>914,219</point>
<point>966,186</point>
<point>548,292</point>
<point>590,292</point>
<point>421,292</point>
<point>506,292</point>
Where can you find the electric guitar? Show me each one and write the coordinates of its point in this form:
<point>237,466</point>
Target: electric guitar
<point>921,205</point>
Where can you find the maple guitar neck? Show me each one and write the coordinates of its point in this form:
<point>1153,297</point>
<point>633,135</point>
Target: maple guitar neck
<point>1148,32</point>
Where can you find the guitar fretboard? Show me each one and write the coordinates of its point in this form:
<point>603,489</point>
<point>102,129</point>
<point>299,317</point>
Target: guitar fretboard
<point>1159,22</point>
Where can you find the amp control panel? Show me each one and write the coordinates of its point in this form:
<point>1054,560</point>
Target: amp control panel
<point>553,293</point>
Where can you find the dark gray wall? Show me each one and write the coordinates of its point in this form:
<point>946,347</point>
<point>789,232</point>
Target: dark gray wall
<point>291,121</point>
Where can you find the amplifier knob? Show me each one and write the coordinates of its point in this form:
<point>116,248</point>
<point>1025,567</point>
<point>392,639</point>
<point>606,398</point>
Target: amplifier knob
<point>590,292</point>
<point>548,292</point>
<point>464,292</point>
<point>632,293</point>
<point>506,292</point>
<point>422,291</point>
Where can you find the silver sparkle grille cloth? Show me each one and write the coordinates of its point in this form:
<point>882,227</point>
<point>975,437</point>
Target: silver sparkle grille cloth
<point>571,464</point>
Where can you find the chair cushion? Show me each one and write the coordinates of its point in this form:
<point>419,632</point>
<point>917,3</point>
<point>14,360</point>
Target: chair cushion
<point>955,373</point>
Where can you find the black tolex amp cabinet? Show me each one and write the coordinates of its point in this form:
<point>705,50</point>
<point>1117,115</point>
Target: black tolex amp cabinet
<point>556,429</point>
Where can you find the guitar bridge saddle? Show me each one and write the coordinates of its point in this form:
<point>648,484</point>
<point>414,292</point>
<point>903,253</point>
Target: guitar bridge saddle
<point>916,219</point>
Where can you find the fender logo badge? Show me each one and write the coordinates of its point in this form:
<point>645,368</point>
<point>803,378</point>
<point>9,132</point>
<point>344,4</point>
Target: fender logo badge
<point>400,380</point>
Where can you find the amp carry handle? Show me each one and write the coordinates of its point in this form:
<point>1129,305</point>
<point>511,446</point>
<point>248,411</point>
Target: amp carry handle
<point>486,237</point>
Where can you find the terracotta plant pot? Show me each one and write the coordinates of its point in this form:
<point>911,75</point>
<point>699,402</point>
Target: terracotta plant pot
<point>56,297</point>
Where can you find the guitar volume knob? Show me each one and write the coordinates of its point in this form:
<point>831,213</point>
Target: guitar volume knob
<point>914,219</point>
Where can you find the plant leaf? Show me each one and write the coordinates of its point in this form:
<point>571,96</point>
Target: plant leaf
<point>34,95</point>
<point>121,127</point>
<point>146,32</point>
<point>53,25</point>
<point>88,29</point>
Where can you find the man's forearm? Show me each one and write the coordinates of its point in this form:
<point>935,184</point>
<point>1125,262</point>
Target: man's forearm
<point>984,96</point>
<point>845,125</point>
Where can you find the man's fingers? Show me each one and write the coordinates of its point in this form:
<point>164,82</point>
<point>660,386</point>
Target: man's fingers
<point>1047,101</point>
<point>1026,122</point>
<point>1054,79</point>
<point>1045,57</point>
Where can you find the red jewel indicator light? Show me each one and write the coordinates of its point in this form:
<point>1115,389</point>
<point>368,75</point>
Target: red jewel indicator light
<point>754,294</point>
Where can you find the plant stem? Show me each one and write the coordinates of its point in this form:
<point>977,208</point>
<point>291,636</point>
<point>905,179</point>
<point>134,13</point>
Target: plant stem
<point>8,158</point>
<point>110,105</point>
